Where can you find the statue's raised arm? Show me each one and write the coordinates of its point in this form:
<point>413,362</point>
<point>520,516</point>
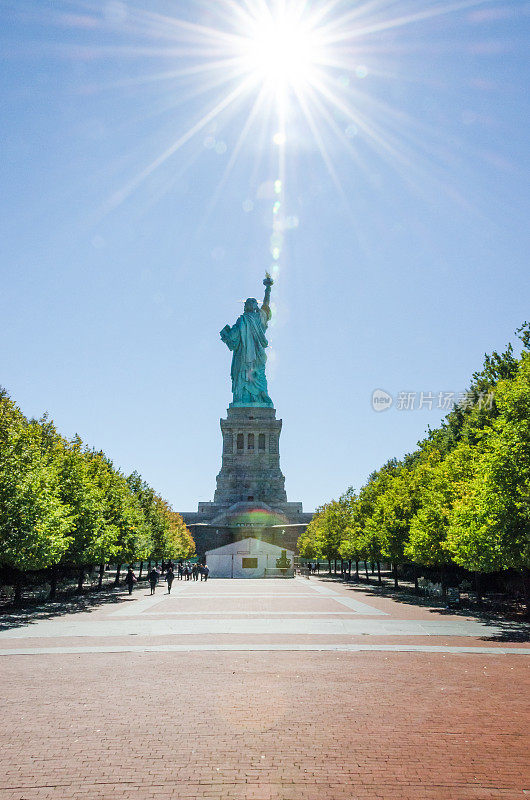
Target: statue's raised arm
<point>246,339</point>
<point>267,282</point>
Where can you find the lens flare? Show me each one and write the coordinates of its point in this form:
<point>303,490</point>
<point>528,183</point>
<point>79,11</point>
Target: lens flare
<point>273,80</point>
<point>281,50</point>
<point>256,517</point>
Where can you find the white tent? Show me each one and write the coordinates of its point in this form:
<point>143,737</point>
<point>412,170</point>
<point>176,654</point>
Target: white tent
<point>250,558</point>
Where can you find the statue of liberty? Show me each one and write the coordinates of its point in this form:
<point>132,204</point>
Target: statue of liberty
<point>246,339</point>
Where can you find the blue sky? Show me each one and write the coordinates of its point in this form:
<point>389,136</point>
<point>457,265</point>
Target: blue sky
<point>404,204</point>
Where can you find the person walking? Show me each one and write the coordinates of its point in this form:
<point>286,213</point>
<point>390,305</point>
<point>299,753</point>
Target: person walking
<point>206,571</point>
<point>153,579</point>
<point>169,578</point>
<point>130,579</point>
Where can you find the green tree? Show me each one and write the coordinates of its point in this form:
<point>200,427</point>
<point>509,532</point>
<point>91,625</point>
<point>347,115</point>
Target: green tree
<point>335,519</point>
<point>393,511</point>
<point>181,544</point>
<point>309,539</point>
<point>490,525</point>
<point>91,537</point>
<point>442,483</point>
<point>125,528</point>
<point>170,538</point>
<point>34,522</point>
<point>63,505</point>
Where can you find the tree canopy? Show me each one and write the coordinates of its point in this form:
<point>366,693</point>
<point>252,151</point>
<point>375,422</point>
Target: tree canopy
<point>63,503</point>
<point>462,497</point>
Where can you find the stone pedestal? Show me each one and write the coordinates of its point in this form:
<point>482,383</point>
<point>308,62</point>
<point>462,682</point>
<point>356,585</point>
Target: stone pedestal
<point>250,497</point>
<point>250,470</point>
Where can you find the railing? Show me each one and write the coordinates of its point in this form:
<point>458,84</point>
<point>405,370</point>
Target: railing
<point>275,572</point>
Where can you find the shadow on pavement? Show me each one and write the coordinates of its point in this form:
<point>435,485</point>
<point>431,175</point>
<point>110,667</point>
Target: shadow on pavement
<point>513,627</point>
<point>14,618</point>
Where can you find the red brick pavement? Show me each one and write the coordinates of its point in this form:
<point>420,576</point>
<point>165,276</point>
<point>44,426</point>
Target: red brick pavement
<point>258,726</point>
<point>248,725</point>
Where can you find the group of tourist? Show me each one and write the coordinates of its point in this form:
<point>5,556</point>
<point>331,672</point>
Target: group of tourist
<point>185,571</point>
<point>314,569</point>
<point>191,572</point>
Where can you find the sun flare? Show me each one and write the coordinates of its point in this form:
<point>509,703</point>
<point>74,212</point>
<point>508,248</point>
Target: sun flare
<point>296,75</point>
<point>281,52</point>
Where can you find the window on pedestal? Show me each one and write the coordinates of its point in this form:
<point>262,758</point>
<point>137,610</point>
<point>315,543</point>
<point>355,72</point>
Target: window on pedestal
<point>261,442</point>
<point>240,441</point>
<point>250,442</point>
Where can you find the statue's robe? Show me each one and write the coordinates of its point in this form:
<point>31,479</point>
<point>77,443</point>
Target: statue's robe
<point>246,339</point>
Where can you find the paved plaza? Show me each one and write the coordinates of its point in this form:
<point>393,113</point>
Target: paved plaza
<point>304,689</point>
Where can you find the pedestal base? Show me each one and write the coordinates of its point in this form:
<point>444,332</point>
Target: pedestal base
<point>250,497</point>
<point>250,470</point>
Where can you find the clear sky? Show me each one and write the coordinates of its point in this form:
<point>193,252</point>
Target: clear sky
<point>141,143</point>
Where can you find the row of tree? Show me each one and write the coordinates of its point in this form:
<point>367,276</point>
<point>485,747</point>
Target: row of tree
<point>461,498</point>
<point>64,505</point>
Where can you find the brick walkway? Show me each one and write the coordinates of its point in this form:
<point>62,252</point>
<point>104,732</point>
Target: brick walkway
<point>264,719</point>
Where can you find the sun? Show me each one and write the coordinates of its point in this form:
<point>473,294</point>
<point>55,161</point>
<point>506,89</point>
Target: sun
<point>292,72</point>
<point>281,51</point>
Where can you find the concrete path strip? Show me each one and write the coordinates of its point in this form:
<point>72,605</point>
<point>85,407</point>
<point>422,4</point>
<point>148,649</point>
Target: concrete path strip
<point>243,613</point>
<point>343,648</point>
<point>349,602</point>
<point>134,607</point>
<point>72,627</point>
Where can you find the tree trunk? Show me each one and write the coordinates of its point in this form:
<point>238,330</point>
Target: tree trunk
<point>149,566</point>
<point>478,588</point>
<point>442,579</point>
<point>80,580</point>
<point>335,567</point>
<point>366,571</point>
<point>349,568</point>
<point>357,570</point>
<point>416,585</point>
<point>17,586</point>
<point>525,575</point>
<point>53,583</point>
<point>117,578</point>
<point>373,567</point>
<point>101,573</point>
<point>395,572</point>
<point>141,568</point>
<point>329,565</point>
<point>379,572</point>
